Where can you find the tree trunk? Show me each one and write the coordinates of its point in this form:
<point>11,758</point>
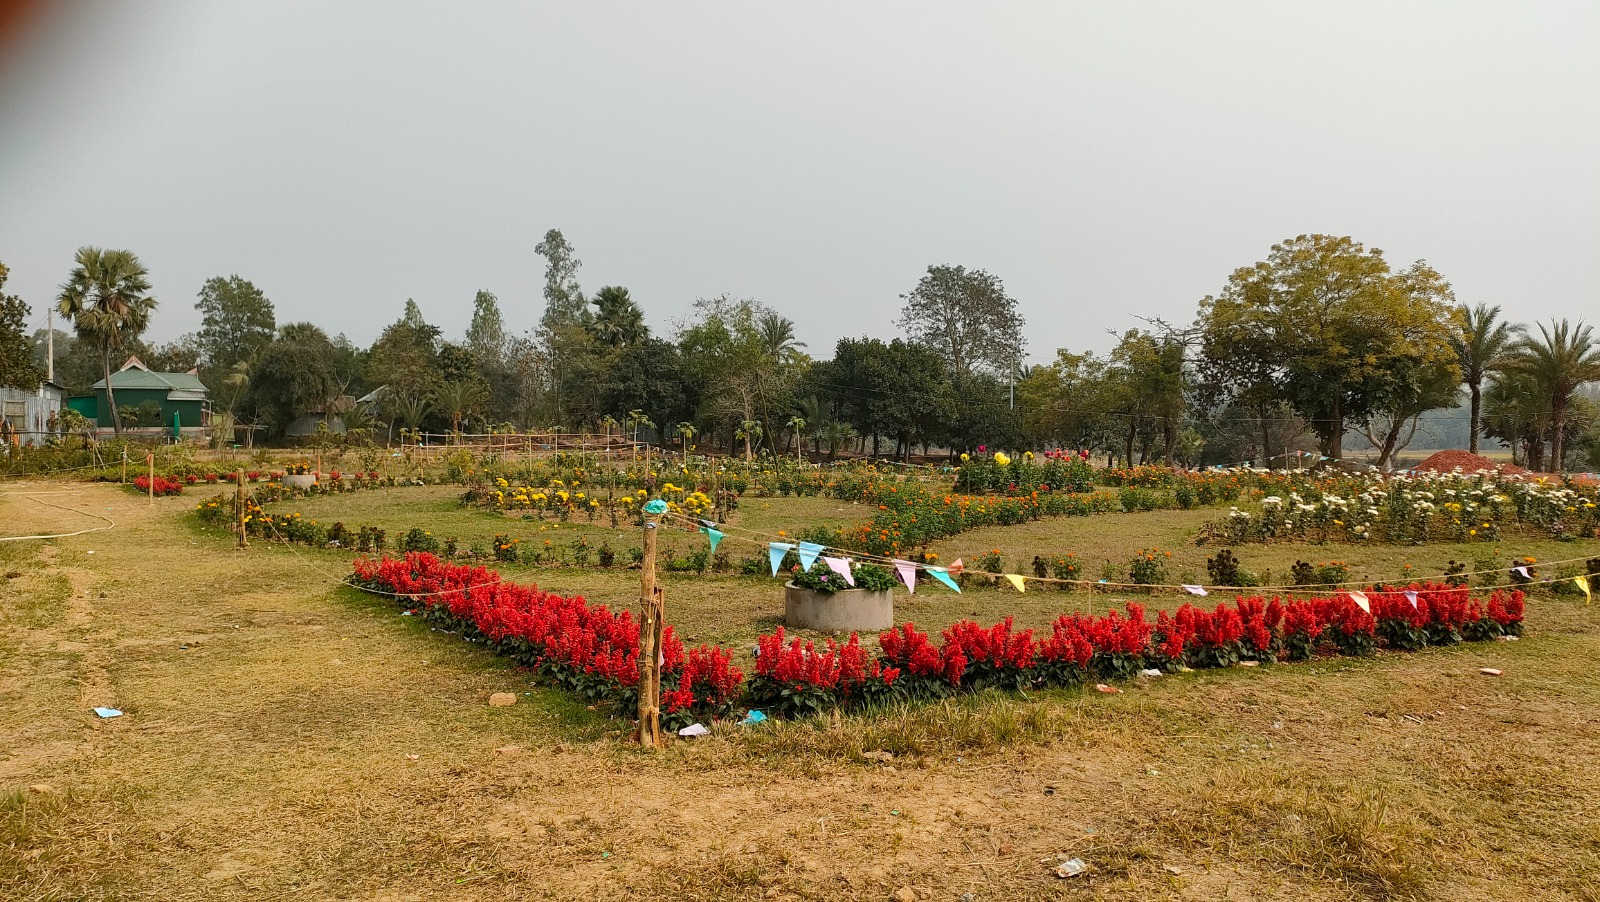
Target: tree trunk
<point>111,396</point>
<point>1558,428</point>
<point>1266,429</point>
<point>1477,403</point>
<point>1133,429</point>
<point>1336,437</point>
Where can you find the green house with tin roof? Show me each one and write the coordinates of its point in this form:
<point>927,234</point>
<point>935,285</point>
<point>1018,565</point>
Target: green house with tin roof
<point>175,394</point>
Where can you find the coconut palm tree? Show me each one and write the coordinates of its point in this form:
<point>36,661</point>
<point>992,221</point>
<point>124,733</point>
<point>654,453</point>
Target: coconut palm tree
<point>107,298</point>
<point>1483,346</point>
<point>777,338</point>
<point>1562,359</point>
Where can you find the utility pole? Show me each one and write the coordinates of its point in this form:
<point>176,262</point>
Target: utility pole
<point>49,343</point>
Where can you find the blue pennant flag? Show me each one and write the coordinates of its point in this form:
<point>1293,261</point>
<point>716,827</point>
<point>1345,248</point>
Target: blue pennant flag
<point>943,575</point>
<point>808,554</point>
<point>775,552</point>
<point>714,535</point>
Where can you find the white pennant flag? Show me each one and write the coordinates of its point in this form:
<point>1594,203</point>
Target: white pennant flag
<point>841,567</point>
<point>908,574</point>
<point>1195,590</point>
<point>1411,596</point>
<point>1360,598</point>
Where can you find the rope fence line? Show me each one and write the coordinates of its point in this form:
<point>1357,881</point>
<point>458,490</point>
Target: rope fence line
<point>766,540</point>
<point>33,496</point>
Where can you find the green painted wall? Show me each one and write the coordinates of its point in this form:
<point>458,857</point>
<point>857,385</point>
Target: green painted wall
<point>189,412</point>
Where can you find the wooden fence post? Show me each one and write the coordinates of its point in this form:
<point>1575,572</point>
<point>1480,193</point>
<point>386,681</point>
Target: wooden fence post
<point>239,508</point>
<point>652,608</point>
<point>151,458</point>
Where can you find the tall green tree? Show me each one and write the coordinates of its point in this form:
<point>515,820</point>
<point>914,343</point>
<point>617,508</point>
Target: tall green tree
<point>17,366</point>
<point>292,376</point>
<point>486,336</point>
<point>236,321</point>
<point>1483,345</point>
<point>1562,359</point>
<point>967,316</point>
<point>107,299</point>
<point>567,345</point>
<point>1331,327</point>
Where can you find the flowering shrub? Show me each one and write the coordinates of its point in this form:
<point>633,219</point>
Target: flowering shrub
<point>796,679</point>
<point>1455,507</point>
<point>595,653</point>
<point>163,485</point>
<point>586,649</point>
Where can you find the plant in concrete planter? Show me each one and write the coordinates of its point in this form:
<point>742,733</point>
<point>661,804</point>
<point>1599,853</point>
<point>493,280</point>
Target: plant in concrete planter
<point>820,599</point>
<point>821,578</point>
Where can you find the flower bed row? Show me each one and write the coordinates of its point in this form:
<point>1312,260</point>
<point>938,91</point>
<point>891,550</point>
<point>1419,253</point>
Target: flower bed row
<point>163,485</point>
<point>584,648</point>
<point>595,652</point>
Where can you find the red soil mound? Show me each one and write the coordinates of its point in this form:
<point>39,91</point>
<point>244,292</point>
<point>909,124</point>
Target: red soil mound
<point>1466,462</point>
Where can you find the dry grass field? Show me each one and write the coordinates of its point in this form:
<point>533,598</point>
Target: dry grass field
<point>271,718</point>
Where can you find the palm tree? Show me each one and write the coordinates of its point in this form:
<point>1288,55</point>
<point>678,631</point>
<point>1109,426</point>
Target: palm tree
<point>618,321</point>
<point>457,399</point>
<point>410,409</point>
<point>1482,346</point>
<point>1561,360</point>
<point>777,338</point>
<point>106,296</point>
<point>835,433</point>
<point>798,424</point>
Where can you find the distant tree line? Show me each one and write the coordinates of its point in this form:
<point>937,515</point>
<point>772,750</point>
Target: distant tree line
<point>1320,343</point>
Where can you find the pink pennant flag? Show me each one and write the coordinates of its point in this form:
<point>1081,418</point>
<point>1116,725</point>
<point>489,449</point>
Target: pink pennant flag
<point>1360,598</point>
<point>1411,596</point>
<point>908,574</point>
<point>842,567</point>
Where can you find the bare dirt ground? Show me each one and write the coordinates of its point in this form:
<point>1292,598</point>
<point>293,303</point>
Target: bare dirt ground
<point>270,718</point>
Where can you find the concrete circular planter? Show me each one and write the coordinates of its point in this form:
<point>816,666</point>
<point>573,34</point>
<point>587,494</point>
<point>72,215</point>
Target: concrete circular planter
<point>299,481</point>
<point>853,610</point>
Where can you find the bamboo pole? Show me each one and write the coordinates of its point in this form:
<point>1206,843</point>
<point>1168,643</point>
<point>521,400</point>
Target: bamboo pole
<point>151,459</point>
<point>239,508</point>
<point>651,606</point>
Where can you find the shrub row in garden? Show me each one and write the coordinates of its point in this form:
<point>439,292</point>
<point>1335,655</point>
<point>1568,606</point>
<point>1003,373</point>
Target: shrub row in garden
<point>584,648</point>
<point>594,652</point>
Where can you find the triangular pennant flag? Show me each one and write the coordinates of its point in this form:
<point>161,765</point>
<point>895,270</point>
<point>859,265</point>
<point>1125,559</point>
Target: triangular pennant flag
<point>808,554</point>
<point>842,567</point>
<point>943,575</point>
<point>957,567</point>
<point>1523,571</point>
<point>907,572</point>
<point>1195,590</point>
<point>714,535</point>
<point>1583,583</point>
<point>1015,580</point>
<point>1411,596</point>
<point>775,552</point>
<point>1360,598</point>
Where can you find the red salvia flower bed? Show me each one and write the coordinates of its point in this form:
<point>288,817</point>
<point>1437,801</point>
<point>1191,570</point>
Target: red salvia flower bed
<point>595,652</point>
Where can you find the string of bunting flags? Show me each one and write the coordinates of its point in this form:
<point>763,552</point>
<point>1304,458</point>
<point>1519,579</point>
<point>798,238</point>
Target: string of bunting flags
<point>840,559</point>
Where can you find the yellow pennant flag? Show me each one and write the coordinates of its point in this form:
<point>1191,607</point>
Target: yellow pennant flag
<point>1015,580</point>
<point>1583,583</point>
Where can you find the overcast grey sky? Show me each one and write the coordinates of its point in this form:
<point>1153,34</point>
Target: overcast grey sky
<point>1105,160</point>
